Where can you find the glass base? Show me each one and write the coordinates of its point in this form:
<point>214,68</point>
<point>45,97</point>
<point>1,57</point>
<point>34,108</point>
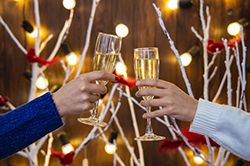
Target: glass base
<point>92,122</point>
<point>150,137</point>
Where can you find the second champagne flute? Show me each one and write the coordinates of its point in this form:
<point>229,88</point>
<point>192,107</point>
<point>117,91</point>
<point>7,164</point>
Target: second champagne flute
<point>146,66</point>
<point>107,50</point>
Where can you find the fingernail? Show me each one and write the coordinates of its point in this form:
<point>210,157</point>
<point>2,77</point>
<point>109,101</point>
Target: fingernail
<point>137,83</point>
<point>144,116</point>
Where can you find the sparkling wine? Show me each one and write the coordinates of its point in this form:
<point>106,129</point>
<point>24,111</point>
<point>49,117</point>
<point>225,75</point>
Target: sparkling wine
<point>105,62</point>
<point>146,69</point>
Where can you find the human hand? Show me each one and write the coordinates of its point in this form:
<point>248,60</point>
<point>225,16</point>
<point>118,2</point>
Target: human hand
<point>174,101</point>
<point>80,94</point>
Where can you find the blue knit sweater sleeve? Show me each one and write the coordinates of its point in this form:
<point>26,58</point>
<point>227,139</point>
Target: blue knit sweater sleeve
<point>27,124</point>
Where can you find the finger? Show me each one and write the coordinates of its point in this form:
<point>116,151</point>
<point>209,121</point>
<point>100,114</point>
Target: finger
<point>97,75</point>
<point>93,98</point>
<point>86,106</point>
<point>151,92</point>
<point>94,88</point>
<point>154,102</point>
<point>157,113</point>
<point>154,82</point>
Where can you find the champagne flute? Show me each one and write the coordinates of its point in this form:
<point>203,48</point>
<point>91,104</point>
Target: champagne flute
<point>107,50</point>
<point>146,66</point>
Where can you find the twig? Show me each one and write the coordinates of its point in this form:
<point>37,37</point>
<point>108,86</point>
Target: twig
<point>87,40</point>
<point>184,75</point>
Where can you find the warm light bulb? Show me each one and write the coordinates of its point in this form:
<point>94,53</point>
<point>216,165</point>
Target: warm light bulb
<point>172,4</point>
<point>120,68</point>
<point>110,148</point>
<point>41,83</point>
<point>186,59</point>
<point>198,160</point>
<point>67,148</point>
<point>71,58</point>
<point>69,4</point>
<point>121,30</point>
<point>33,34</point>
<point>233,28</point>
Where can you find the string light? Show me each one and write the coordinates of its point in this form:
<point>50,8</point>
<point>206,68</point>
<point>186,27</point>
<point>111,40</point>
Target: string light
<point>66,146</point>
<point>198,160</point>
<point>110,147</point>
<point>71,57</point>
<point>69,4</point>
<point>174,4</point>
<point>41,83</point>
<point>31,31</point>
<point>121,30</point>
<point>120,68</point>
<point>187,57</point>
<point>234,27</point>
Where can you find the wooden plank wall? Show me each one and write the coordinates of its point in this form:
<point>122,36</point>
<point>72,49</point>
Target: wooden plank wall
<point>144,30</point>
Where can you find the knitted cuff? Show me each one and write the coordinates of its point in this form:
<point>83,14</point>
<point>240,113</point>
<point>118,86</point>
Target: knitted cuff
<point>206,117</point>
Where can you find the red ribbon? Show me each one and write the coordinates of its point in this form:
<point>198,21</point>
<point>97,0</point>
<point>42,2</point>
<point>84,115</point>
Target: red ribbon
<point>193,138</point>
<point>32,57</point>
<point>3,100</point>
<point>212,46</point>
<point>130,82</point>
<point>65,159</point>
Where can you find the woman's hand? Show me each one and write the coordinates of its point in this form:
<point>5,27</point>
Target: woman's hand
<point>80,94</point>
<point>174,101</point>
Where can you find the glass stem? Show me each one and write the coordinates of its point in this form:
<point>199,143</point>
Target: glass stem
<point>94,112</point>
<point>149,129</point>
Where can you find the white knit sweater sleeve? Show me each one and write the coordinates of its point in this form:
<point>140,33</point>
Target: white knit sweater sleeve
<point>227,126</point>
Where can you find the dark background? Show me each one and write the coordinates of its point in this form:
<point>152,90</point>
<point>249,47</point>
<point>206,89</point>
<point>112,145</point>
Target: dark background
<point>144,30</point>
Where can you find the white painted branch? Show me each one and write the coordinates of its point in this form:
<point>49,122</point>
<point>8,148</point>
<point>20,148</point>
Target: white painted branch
<point>188,85</point>
<point>187,143</point>
<point>66,26</point>
<point>67,71</point>
<point>229,86</point>
<point>225,159</point>
<point>40,143</point>
<point>10,106</point>
<point>69,24</point>
<point>123,136</point>
<point>23,154</point>
<point>222,82</point>
<point>197,34</point>
<point>44,43</point>
<point>238,92</point>
<point>87,40</point>
<point>47,157</point>
<point>243,65</point>
<point>12,36</point>
<point>43,76</point>
<point>184,156</point>
<point>220,156</point>
<point>171,130</point>
<point>33,81</point>
<point>32,161</point>
<point>213,74</point>
<point>37,19</point>
<point>135,125</point>
<point>116,156</point>
<point>205,29</point>
<point>212,61</point>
